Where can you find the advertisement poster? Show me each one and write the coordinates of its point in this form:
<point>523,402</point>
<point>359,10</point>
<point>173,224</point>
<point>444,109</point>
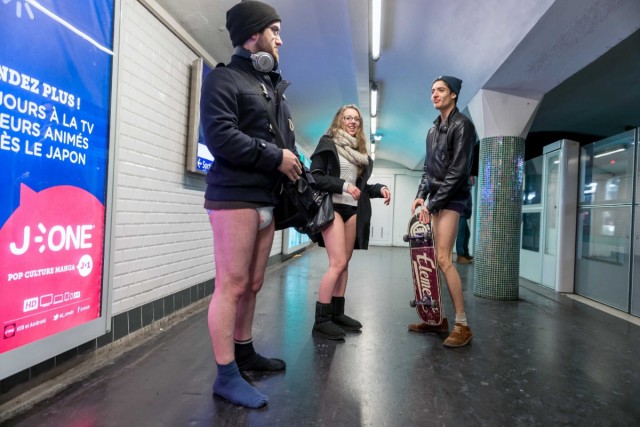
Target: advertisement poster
<point>199,158</point>
<point>55,85</point>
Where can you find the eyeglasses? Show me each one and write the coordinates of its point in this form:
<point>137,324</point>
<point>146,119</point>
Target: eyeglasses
<point>275,30</point>
<point>352,119</point>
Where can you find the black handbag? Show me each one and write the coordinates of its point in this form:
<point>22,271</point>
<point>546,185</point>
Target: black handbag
<point>302,207</point>
<point>322,219</point>
<point>299,205</point>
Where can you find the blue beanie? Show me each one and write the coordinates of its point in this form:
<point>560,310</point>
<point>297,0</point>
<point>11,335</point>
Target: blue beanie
<point>454,83</point>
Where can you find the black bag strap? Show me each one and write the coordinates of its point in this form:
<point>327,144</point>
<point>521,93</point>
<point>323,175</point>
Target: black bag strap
<point>261,90</point>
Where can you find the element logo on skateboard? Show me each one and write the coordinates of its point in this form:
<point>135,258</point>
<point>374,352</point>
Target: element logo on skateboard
<point>423,269</point>
<point>418,227</point>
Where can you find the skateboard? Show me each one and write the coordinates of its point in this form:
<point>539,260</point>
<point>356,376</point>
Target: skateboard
<point>424,267</point>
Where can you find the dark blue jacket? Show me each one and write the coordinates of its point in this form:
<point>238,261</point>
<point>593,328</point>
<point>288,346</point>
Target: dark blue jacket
<point>237,132</point>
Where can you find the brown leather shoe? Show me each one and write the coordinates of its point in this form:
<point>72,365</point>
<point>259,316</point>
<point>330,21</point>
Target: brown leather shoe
<point>442,328</point>
<point>460,336</point>
<point>462,259</point>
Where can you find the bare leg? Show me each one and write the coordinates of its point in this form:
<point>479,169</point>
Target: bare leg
<point>247,303</point>
<point>334,242</point>
<point>236,243</point>
<point>350,240</point>
<point>338,301</point>
<point>334,238</point>
<point>445,228</point>
<point>238,253</point>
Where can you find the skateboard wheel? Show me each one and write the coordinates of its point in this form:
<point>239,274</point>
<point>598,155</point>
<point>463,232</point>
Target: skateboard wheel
<point>412,303</point>
<point>405,237</point>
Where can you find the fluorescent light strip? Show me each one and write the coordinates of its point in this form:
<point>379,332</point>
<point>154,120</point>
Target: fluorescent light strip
<point>374,125</point>
<point>376,24</point>
<point>56,18</point>
<point>608,153</point>
<point>374,100</point>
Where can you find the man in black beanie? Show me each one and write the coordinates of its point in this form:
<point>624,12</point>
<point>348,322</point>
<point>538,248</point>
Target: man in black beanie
<point>445,184</point>
<point>247,18</point>
<point>242,186</point>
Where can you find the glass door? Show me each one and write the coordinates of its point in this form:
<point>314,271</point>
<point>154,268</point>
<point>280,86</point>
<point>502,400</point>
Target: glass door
<point>550,224</point>
<point>635,283</point>
<point>605,209</point>
<point>530,242</point>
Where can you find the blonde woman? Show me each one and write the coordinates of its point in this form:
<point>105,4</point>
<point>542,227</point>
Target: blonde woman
<point>341,165</point>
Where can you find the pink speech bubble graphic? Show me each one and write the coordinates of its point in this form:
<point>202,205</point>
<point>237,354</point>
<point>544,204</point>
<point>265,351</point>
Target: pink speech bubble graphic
<point>51,246</point>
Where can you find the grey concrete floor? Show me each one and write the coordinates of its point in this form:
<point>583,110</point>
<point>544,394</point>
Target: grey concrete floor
<point>542,360</point>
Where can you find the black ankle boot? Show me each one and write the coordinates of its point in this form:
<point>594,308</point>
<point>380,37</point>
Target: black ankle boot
<point>341,319</point>
<point>324,327</point>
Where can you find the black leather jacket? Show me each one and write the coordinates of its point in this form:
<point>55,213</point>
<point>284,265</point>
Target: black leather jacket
<point>237,132</point>
<point>447,163</point>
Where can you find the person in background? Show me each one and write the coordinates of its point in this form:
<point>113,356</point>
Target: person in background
<point>341,165</point>
<point>463,256</point>
<point>444,194</point>
<point>241,190</point>
<point>464,234</point>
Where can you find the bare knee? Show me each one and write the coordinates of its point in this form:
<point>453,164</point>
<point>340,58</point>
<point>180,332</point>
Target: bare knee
<point>256,285</point>
<point>338,265</point>
<point>445,262</point>
<point>232,288</point>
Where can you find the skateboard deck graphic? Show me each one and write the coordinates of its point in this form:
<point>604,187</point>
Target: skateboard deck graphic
<point>424,269</point>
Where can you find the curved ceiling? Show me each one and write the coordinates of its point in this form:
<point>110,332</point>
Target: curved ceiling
<point>569,52</point>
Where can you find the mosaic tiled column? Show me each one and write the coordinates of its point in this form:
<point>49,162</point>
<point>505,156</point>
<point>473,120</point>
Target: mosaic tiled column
<point>498,218</point>
<point>500,174</point>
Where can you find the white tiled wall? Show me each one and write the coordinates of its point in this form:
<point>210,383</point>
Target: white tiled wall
<point>163,241</point>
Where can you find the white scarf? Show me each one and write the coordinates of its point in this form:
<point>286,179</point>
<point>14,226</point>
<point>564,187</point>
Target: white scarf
<point>346,145</point>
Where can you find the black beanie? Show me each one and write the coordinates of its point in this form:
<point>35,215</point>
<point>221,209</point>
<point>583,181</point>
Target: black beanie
<point>247,18</point>
<point>454,83</point>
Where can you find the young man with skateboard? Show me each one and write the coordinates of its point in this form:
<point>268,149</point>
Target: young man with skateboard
<point>445,187</point>
<point>242,189</point>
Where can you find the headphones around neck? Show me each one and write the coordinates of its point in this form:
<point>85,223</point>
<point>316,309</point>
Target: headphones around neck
<point>262,61</point>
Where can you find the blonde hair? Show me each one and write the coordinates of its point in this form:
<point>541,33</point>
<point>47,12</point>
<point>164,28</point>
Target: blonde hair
<point>336,125</point>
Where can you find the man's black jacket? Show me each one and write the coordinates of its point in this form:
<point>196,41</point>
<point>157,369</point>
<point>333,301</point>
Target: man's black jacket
<point>237,132</point>
<point>448,161</point>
